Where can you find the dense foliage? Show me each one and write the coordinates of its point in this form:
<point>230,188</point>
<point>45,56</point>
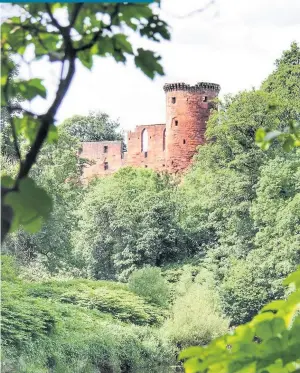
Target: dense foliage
<point>201,255</point>
<point>65,34</point>
<point>96,126</point>
<point>127,221</point>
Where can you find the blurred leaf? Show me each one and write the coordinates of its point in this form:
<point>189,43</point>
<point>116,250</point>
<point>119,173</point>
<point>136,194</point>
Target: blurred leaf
<point>7,181</point>
<point>288,144</point>
<point>31,204</point>
<point>29,89</point>
<point>27,126</point>
<point>86,58</point>
<point>148,63</point>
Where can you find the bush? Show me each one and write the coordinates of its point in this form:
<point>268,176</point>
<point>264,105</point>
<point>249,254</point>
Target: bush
<point>42,335</point>
<point>149,283</point>
<point>196,318</point>
<point>247,287</point>
<point>8,268</point>
<point>107,297</point>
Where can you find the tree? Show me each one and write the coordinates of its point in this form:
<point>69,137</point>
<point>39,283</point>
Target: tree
<point>270,341</point>
<point>128,221</point>
<point>58,172</point>
<point>96,126</point>
<point>285,83</point>
<point>85,31</point>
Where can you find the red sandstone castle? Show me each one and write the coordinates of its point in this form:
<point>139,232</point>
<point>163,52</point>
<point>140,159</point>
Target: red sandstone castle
<point>169,146</point>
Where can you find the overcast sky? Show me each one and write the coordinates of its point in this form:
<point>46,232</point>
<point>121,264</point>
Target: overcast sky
<point>233,43</point>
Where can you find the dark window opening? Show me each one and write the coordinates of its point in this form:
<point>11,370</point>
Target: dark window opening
<point>164,165</point>
<point>105,165</point>
<point>184,141</point>
<point>105,148</point>
<point>173,100</point>
<point>146,166</point>
<point>204,98</point>
<point>176,122</point>
<point>146,154</point>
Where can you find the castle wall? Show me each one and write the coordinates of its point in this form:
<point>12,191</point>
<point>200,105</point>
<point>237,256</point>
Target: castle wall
<point>153,156</point>
<point>169,146</point>
<point>107,158</point>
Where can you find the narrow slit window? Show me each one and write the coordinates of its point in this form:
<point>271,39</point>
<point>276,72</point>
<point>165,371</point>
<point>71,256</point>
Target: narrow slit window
<point>164,140</point>
<point>176,122</point>
<point>105,166</point>
<point>204,98</point>
<point>105,148</point>
<point>184,141</point>
<point>146,154</point>
<point>173,100</point>
<point>146,166</point>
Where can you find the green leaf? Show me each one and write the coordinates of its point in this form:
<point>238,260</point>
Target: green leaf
<point>122,43</point>
<point>30,204</point>
<point>105,45</point>
<point>293,278</point>
<point>86,58</point>
<point>29,89</point>
<point>148,63</point>
<point>260,135</point>
<point>288,144</point>
<point>7,181</point>
<point>190,352</point>
<point>27,126</point>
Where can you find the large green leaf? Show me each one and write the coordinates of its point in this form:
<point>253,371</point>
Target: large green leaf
<point>30,204</point>
<point>147,61</point>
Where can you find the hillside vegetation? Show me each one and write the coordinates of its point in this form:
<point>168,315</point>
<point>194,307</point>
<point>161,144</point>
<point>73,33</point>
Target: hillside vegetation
<point>136,266</point>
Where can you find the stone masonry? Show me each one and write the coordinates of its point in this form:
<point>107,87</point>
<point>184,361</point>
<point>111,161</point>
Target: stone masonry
<point>162,147</point>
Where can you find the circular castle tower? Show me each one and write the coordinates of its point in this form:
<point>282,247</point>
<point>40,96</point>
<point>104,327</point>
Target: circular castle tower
<point>188,109</point>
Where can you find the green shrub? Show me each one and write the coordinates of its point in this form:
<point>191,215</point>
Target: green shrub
<point>42,335</point>
<point>149,283</point>
<point>246,288</point>
<point>8,268</point>
<point>106,297</point>
<point>196,318</point>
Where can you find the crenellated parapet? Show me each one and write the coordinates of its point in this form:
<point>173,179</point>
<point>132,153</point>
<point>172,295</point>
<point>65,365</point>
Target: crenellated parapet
<point>198,87</point>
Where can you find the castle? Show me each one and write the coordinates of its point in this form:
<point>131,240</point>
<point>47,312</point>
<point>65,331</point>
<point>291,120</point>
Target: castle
<point>162,147</point>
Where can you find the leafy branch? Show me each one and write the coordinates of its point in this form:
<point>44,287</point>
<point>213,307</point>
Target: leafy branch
<point>64,43</point>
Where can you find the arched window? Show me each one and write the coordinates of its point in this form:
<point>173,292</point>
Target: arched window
<point>144,144</point>
<point>164,140</point>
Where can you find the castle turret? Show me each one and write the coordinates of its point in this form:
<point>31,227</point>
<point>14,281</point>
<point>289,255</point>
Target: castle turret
<point>188,108</point>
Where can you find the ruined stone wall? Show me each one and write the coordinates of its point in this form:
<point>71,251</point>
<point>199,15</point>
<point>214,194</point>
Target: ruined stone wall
<point>169,146</point>
<point>107,158</point>
<point>152,156</point>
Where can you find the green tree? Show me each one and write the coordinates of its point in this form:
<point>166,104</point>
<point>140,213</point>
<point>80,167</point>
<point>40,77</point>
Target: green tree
<point>285,83</point>
<point>96,126</point>
<point>127,221</point>
<point>270,341</point>
<point>57,171</point>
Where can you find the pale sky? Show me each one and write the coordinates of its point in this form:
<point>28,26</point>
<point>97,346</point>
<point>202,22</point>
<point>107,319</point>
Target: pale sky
<point>233,43</point>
